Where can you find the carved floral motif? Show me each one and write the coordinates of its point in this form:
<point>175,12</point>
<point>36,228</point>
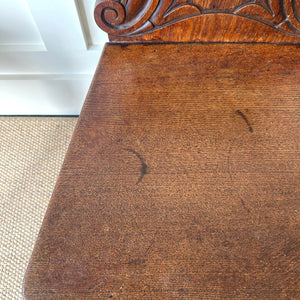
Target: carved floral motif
<point>131,18</point>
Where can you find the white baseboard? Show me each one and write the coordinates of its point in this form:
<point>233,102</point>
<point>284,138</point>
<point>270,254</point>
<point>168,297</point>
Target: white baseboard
<point>43,94</point>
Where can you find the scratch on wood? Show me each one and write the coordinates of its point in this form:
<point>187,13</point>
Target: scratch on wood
<point>144,167</point>
<point>230,175</point>
<point>245,119</point>
<point>148,250</point>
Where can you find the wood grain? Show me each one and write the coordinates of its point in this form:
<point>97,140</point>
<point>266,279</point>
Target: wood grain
<point>272,21</point>
<point>181,180</point>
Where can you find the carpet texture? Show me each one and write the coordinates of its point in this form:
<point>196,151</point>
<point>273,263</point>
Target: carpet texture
<point>31,154</point>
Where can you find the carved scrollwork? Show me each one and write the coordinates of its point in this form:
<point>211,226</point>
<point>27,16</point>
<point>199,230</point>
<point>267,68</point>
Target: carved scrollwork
<point>123,18</point>
<point>132,18</point>
<point>291,13</point>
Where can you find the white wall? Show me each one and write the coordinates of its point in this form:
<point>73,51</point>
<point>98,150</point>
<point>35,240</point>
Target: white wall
<point>49,50</point>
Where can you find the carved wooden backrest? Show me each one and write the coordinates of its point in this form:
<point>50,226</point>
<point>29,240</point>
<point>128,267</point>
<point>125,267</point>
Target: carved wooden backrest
<point>274,21</point>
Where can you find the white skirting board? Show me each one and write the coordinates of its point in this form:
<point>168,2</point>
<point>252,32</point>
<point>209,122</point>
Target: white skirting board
<point>47,95</point>
<point>44,82</point>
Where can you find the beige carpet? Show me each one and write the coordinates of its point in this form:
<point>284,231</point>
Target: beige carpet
<point>31,154</point>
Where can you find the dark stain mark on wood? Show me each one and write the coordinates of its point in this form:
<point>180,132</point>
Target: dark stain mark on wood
<point>244,205</point>
<point>144,167</point>
<point>245,119</point>
<point>199,238</point>
<point>230,175</point>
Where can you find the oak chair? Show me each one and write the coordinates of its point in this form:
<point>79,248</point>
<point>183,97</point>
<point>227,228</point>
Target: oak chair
<point>182,178</point>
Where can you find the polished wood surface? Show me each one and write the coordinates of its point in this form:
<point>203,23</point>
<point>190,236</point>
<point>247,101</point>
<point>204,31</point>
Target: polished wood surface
<point>272,21</point>
<point>181,181</point>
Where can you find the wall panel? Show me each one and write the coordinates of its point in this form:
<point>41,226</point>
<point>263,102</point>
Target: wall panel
<point>48,70</point>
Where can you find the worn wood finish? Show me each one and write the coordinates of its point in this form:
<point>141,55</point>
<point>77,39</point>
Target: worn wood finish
<point>275,21</point>
<point>181,180</point>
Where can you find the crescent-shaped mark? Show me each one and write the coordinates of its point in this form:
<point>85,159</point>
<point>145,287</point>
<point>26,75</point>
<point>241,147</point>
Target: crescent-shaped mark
<point>245,119</point>
<point>144,167</point>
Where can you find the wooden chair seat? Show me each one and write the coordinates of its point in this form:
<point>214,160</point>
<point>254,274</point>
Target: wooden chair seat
<point>181,180</point>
